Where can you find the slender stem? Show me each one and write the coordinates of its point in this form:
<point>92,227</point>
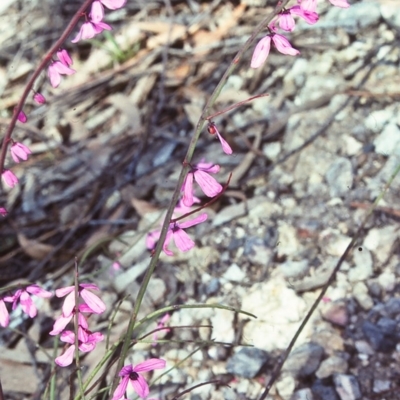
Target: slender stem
<point>46,59</point>
<point>175,196</point>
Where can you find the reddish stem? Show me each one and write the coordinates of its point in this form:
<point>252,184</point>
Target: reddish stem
<point>33,78</point>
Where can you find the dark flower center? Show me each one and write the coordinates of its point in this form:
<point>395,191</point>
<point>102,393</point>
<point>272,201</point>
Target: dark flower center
<point>133,376</point>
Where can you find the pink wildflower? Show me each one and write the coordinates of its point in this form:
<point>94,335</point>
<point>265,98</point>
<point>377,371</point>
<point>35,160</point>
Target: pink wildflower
<point>4,315</point>
<point>181,238</point>
<point>9,178</point>
<point>3,211</point>
<point>286,21</point>
<point>24,298</point>
<point>64,57</point>
<point>39,98</point>
<point>55,70</point>
<point>131,374</point>
<point>340,3</point>
<point>93,302</point>
<point>90,29</point>
<point>22,117</point>
<point>200,173</point>
<point>19,151</point>
<point>91,339</point>
<point>212,129</point>
<point>62,321</point>
<point>308,5</point>
<point>263,47</point>
<point>161,326</point>
<point>113,4</point>
<point>97,11</point>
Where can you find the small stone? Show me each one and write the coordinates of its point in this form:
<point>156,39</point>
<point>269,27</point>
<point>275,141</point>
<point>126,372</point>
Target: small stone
<point>387,281</point>
<point>294,269</point>
<point>392,307</point>
<point>234,274</point>
<point>247,362</point>
<point>390,15</point>
<point>381,386</point>
<point>363,347</point>
<point>347,387</point>
<point>330,366</point>
<point>286,386</point>
<point>360,293</point>
<point>323,392</point>
<point>363,266</point>
<point>340,177</point>
<point>376,120</point>
<point>304,360</point>
<point>288,244</point>
<point>272,150</point>
<point>386,141</point>
<point>336,313</point>
<point>212,286</point>
<point>379,337</point>
<point>302,394</point>
<point>222,325</point>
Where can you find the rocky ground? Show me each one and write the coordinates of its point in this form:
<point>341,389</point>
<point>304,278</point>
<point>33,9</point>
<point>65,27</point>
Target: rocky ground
<point>309,160</point>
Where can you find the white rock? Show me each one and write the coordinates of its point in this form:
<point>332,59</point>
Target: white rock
<point>222,326</point>
<point>234,274</point>
<point>286,386</point>
<point>376,120</point>
<point>387,140</point>
<point>381,240</point>
<point>272,150</point>
<point>387,281</point>
<point>288,243</point>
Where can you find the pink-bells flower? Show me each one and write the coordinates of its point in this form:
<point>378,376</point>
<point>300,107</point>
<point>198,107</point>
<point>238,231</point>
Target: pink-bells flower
<point>55,70</point>
<point>212,129</point>
<point>201,174</point>
<point>9,178</point>
<point>90,29</point>
<point>19,151</point>
<point>22,117</point>
<point>3,211</point>
<point>263,47</point>
<point>64,57</point>
<point>39,98</point>
<point>131,374</point>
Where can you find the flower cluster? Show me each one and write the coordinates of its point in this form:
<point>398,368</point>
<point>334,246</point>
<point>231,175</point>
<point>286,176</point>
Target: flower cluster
<point>305,9</point>
<point>91,304</point>
<point>23,298</point>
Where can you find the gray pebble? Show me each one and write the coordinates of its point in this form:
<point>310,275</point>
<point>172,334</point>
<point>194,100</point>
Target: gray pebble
<point>347,387</point>
<point>340,177</point>
<point>379,336</point>
<point>324,392</point>
<point>247,362</point>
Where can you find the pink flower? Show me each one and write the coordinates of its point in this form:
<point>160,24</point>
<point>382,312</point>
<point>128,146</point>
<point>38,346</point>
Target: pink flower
<point>212,129</point>
<point>263,47</point>
<point>64,57</point>
<point>130,374</point>
<point>61,322</point>
<point>90,29</point>
<point>3,211</point>
<point>19,151</point>
<point>55,70</point>
<point>160,326</point>
<point>287,23</point>
<point>113,4</point>
<point>9,178</point>
<point>93,302</point>
<point>91,339</point>
<point>97,11</point>
<point>24,298</point>
<point>22,117</point>
<point>39,98</point>
<point>200,173</point>
<point>181,238</point>
<point>4,315</point>
<point>308,5</point>
<point>340,3</point>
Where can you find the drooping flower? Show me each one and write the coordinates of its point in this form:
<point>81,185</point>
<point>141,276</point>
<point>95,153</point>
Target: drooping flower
<point>131,374</point>
<point>97,11</point>
<point>39,98</point>
<point>201,174</point>
<point>3,211</point>
<point>22,117</point>
<point>180,237</point>
<point>212,129</point>
<point>93,302</point>
<point>91,339</point>
<point>19,151</point>
<point>64,57</point>
<point>62,321</point>
<point>9,178</point>
<point>263,47</point>
<point>4,315</point>
<point>55,70</point>
<point>23,296</point>
<point>286,20</point>
<point>90,29</point>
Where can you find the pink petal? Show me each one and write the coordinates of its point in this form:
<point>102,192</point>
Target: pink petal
<point>114,4</point>
<point>64,57</point>
<point>207,183</point>
<point>225,146</point>
<point>27,304</point>
<point>89,286</point>
<point>141,387</point>
<point>54,76</point>
<point>64,291</point>
<point>63,69</point>
<point>283,45</point>
<point>97,12</point>
<point>198,220</point>
<point>9,178</point>
<point>126,370</point>
<point>68,337</point>
<point>3,211</point>
<point>101,26</point>
<point>22,117</point>
<point>66,359</point>
<point>152,239</point>
<point>166,243</point>
<point>183,241</point>
<point>286,22</point>
<point>340,3</point>
<point>60,324</point>
<point>121,388</point>
<point>38,291</point>
<point>69,305</point>
<point>309,5</point>
<point>308,16</point>
<point>19,151</point>
<point>4,315</point>
<point>149,365</point>
<point>93,301</point>
<point>261,52</point>
<point>208,167</point>
<point>39,98</point>
<point>187,199</point>
<point>82,321</point>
